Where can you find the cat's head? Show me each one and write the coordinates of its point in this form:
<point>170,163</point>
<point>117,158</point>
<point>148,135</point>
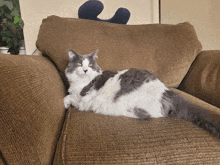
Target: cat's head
<point>83,65</point>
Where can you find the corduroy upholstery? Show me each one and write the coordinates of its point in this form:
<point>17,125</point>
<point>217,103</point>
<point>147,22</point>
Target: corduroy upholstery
<point>89,138</point>
<point>165,50</point>
<point>31,109</point>
<point>203,78</point>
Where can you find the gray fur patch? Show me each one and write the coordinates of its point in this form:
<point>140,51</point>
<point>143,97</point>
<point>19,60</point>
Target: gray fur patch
<point>174,105</point>
<point>141,113</point>
<point>98,82</point>
<point>91,59</point>
<point>73,64</point>
<point>133,79</point>
<point>169,103</point>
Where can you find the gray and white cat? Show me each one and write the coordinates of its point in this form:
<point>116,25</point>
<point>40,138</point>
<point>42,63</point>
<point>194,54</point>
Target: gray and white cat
<point>133,93</point>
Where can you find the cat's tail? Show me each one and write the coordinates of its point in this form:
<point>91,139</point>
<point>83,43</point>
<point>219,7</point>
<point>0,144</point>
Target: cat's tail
<point>183,109</point>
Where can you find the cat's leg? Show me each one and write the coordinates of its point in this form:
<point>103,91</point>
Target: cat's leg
<point>70,100</point>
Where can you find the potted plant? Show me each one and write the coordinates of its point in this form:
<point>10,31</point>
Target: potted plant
<point>11,25</point>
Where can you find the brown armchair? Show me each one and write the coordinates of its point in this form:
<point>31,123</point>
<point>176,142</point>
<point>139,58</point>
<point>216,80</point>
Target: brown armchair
<point>36,128</point>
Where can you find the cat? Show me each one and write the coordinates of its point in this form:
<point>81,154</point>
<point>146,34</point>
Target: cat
<point>132,93</point>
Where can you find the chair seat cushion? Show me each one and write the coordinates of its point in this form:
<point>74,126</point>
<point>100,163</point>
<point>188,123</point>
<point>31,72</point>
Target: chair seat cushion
<point>89,138</point>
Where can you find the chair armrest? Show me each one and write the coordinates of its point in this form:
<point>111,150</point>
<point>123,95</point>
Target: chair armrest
<point>203,77</point>
<point>31,109</point>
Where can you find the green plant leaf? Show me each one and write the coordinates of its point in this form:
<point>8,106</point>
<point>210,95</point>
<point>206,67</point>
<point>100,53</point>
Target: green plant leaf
<point>2,3</point>
<point>16,19</point>
<point>7,3</point>
<point>15,12</point>
<point>8,16</point>
<point>4,38</point>
<point>5,10</point>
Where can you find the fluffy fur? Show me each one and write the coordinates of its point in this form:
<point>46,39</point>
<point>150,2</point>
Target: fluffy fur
<point>133,93</point>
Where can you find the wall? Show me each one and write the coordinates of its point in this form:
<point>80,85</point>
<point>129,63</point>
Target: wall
<point>204,15</point>
<point>32,11</point>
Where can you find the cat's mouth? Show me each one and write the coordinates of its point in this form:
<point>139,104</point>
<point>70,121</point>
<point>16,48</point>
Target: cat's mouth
<point>83,74</point>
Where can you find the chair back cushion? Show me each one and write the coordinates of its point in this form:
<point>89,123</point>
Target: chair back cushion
<point>165,50</point>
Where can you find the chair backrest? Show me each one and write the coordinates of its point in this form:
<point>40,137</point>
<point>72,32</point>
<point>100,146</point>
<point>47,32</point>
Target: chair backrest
<point>32,12</point>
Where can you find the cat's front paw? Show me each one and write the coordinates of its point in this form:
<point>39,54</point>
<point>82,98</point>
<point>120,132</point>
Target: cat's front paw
<point>67,102</point>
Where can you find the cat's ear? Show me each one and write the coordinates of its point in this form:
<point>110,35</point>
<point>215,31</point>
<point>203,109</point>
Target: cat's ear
<point>94,54</point>
<point>72,54</point>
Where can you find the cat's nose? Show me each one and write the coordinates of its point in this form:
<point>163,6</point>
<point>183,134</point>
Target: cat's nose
<point>85,70</point>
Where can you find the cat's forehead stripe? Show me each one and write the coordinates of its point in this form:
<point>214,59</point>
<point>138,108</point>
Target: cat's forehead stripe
<point>85,62</point>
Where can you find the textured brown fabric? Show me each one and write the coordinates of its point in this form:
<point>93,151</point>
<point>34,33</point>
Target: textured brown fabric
<point>59,158</point>
<point>165,50</point>
<point>2,160</point>
<point>89,138</point>
<point>203,78</point>
<point>31,109</point>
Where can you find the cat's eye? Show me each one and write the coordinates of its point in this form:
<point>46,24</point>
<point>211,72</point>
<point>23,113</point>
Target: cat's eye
<point>90,64</point>
<point>79,64</point>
